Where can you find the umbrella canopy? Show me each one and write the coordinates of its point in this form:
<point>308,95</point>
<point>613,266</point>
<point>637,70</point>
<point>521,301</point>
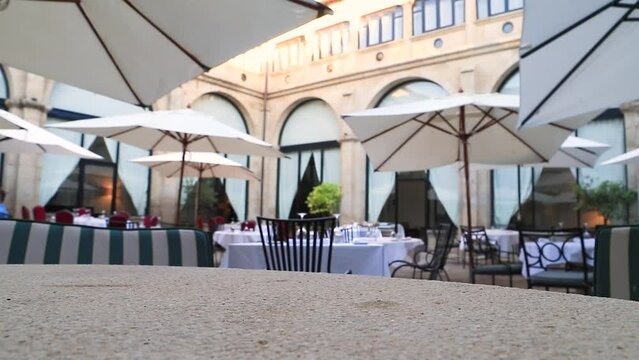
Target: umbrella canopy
<point>174,130</point>
<point>30,138</point>
<point>200,164</point>
<point>631,157</point>
<point>139,50</point>
<point>468,128</point>
<point>575,59</point>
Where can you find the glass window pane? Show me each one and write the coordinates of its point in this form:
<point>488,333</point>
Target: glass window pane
<point>373,31</point>
<point>387,27</point>
<point>445,13</point>
<point>555,199</point>
<point>363,37</point>
<point>497,6</point>
<point>430,15</point>
<point>325,45</point>
<point>418,17</point>
<point>515,4</point>
<point>294,54</point>
<point>336,42</point>
<point>459,12</point>
<point>345,38</point>
<point>482,9</point>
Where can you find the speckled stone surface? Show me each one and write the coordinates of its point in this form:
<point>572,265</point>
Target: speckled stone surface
<point>162,312</point>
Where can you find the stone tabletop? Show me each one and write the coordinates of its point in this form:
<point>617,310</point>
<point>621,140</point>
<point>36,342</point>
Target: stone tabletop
<point>167,312</point>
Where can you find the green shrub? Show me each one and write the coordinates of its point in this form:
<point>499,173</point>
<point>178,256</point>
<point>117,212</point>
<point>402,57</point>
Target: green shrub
<point>608,198</point>
<point>324,199</point>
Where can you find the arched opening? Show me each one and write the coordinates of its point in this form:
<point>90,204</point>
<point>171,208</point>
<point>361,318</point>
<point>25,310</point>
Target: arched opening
<point>219,197</point>
<point>545,197</point>
<point>310,140</point>
<point>101,185</point>
<point>413,199</point>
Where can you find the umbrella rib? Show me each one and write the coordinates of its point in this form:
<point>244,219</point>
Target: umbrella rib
<point>168,37</point>
<point>567,30</point>
<point>493,122</point>
<point>561,127</point>
<point>580,62</point>
<point>574,157</point>
<point>124,131</point>
<point>319,7</point>
<point>158,142</point>
<point>486,115</point>
<point>523,142</point>
<point>404,143</point>
<point>442,130</point>
<point>106,49</point>
<point>395,127</point>
<point>211,143</point>
<point>455,131</point>
<point>159,164</point>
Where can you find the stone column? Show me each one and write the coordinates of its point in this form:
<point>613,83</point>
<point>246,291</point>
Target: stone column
<point>21,179</point>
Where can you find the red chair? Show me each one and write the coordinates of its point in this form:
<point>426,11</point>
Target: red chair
<point>154,221</point>
<point>147,221</point>
<point>64,217</point>
<point>84,211</point>
<point>200,222</point>
<point>123,213</point>
<point>39,214</point>
<point>118,221</point>
<point>251,224</point>
<point>26,214</point>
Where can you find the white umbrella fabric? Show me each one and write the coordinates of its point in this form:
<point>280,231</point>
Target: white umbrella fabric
<point>198,164</point>
<point>174,130</point>
<point>139,50</point>
<point>576,59</point>
<point>32,139</point>
<point>630,157</point>
<point>467,128</point>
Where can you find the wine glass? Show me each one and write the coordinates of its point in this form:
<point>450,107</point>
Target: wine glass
<point>301,215</point>
<point>337,219</point>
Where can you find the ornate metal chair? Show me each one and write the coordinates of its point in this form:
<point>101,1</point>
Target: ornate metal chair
<point>488,256</point>
<point>556,258</point>
<point>297,244</point>
<point>432,262</point>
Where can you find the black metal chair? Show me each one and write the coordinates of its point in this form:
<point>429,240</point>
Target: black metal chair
<point>433,262</point>
<point>556,258</point>
<point>488,256</point>
<point>297,245</point>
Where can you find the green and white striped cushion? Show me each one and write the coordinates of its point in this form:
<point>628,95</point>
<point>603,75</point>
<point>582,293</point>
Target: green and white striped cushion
<point>25,242</point>
<point>617,262</point>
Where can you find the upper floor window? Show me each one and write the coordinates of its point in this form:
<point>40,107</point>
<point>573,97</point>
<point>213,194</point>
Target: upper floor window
<point>381,27</point>
<point>486,8</point>
<point>332,40</point>
<point>289,54</point>
<point>430,15</point>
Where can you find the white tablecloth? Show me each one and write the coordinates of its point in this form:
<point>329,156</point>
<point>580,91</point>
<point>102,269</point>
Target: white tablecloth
<point>362,257</point>
<point>87,220</point>
<point>572,252</point>
<point>226,237</point>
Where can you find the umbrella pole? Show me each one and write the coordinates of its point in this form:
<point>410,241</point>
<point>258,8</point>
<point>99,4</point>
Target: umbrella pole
<point>179,199</point>
<point>464,139</point>
<point>197,194</point>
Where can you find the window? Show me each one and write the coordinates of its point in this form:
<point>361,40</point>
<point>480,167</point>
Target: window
<point>220,197</point>
<point>486,8</point>
<point>4,88</point>
<point>430,15</point>
<point>103,185</point>
<point>381,27</point>
<point>418,199</point>
<point>333,40</point>
<point>545,197</point>
<point>289,54</point>
<point>310,140</point>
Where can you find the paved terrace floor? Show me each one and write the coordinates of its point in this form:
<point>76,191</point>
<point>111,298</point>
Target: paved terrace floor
<point>162,312</point>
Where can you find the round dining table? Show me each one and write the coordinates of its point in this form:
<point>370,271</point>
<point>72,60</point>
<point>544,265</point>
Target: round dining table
<point>102,311</point>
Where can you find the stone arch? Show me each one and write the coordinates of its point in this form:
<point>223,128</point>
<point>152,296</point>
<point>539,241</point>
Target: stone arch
<point>388,88</point>
<point>248,125</point>
<point>505,75</point>
<point>290,109</point>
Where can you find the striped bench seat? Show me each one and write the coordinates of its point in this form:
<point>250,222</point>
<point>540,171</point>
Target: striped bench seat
<point>617,262</point>
<point>27,242</point>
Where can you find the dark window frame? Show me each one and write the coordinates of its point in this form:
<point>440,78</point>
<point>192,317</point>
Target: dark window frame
<point>437,11</point>
<point>396,13</point>
<point>489,13</point>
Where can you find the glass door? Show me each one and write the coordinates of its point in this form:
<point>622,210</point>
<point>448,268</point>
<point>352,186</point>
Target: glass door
<point>98,186</point>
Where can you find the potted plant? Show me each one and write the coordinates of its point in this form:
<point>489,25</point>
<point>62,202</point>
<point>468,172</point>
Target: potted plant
<point>608,198</point>
<point>324,200</point>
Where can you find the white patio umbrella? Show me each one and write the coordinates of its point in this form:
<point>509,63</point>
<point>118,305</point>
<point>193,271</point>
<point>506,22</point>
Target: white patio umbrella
<point>198,164</point>
<point>29,138</point>
<point>467,128</point>
<point>576,59</point>
<point>630,157</point>
<point>174,130</point>
<point>139,50</point>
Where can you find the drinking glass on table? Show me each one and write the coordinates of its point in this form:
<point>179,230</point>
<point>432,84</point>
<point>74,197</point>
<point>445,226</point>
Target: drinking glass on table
<point>301,215</point>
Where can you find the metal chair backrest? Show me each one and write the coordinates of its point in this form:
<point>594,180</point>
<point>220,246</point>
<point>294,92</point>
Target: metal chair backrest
<point>297,245</point>
<point>546,250</point>
<point>481,242</point>
<point>443,242</point>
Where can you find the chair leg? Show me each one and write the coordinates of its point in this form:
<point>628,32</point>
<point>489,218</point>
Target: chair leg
<point>547,288</point>
<point>510,279</point>
<point>493,279</point>
<point>472,277</point>
<point>414,270</point>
